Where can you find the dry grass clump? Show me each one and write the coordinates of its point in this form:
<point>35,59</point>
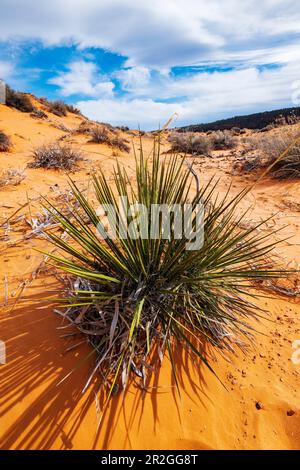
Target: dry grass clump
<point>18,100</point>
<point>100,135</point>
<point>56,155</point>
<point>107,126</point>
<point>189,142</point>
<point>38,114</point>
<point>57,107</point>
<point>121,144</point>
<point>5,142</point>
<point>11,177</point>
<point>202,144</point>
<point>83,128</point>
<point>72,109</point>
<point>223,140</point>
<point>268,150</point>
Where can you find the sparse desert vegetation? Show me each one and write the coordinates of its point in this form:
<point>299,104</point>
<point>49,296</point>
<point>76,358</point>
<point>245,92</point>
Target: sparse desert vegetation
<point>72,109</point>
<point>163,297</point>
<point>100,135</point>
<point>85,127</point>
<point>150,231</point>
<point>18,100</point>
<point>190,143</point>
<point>5,142</point>
<point>280,151</point>
<point>56,155</point>
<point>11,177</point>
<point>223,140</point>
<point>120,144</point>
<point>287,146</point>
<point>201,144</point>
<point>38,114</point>
<point>59,107</point>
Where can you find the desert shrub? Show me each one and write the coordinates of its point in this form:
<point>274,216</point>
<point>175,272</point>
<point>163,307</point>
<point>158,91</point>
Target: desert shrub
<point>201,144</point>
<point>61,127</point>
<point>195,144</point>
<point>271,147</point>
<point>267,128</point>
<point>100,135</point>
<point>85,127</point>
<point>56,155</point>
<point>5,142</point>
<point>44,100</point>
<point>222,140</point>
<point>11,177</point>
<point>18,100</point>
<point>57,107</point>
<point>136,296</point>
<point>107,126</point>
<point>120,143</point>
<point>249,163</point>
<point>72,109</point>
<point>38,114</point>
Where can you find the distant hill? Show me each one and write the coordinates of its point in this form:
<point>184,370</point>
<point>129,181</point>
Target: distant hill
<point>250,121</point>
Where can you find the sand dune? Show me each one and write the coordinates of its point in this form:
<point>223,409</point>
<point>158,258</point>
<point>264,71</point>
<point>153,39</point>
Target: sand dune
<point>260,408</point>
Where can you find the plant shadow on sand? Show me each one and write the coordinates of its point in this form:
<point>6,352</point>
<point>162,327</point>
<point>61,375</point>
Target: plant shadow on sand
<point>39,413</point>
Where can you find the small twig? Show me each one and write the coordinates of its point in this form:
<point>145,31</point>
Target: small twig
<point>190,167</point>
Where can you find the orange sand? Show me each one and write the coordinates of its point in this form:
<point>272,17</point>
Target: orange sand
<point>36,413</point>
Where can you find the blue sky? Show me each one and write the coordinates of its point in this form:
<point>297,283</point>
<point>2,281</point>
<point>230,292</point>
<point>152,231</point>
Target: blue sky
<point>138,62</point>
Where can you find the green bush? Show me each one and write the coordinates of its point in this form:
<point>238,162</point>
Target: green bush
<point>135,298</point>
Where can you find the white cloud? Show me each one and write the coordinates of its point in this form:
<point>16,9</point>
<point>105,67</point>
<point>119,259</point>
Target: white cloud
<point>82,78</point>
<point>145,113</point>
<point>6,70</point>
<point>134,79</point>
<point>205,97</point>
<point>156,34</point>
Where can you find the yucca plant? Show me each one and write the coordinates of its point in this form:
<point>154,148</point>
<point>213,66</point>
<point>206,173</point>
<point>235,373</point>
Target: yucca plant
<point>138,297</point>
